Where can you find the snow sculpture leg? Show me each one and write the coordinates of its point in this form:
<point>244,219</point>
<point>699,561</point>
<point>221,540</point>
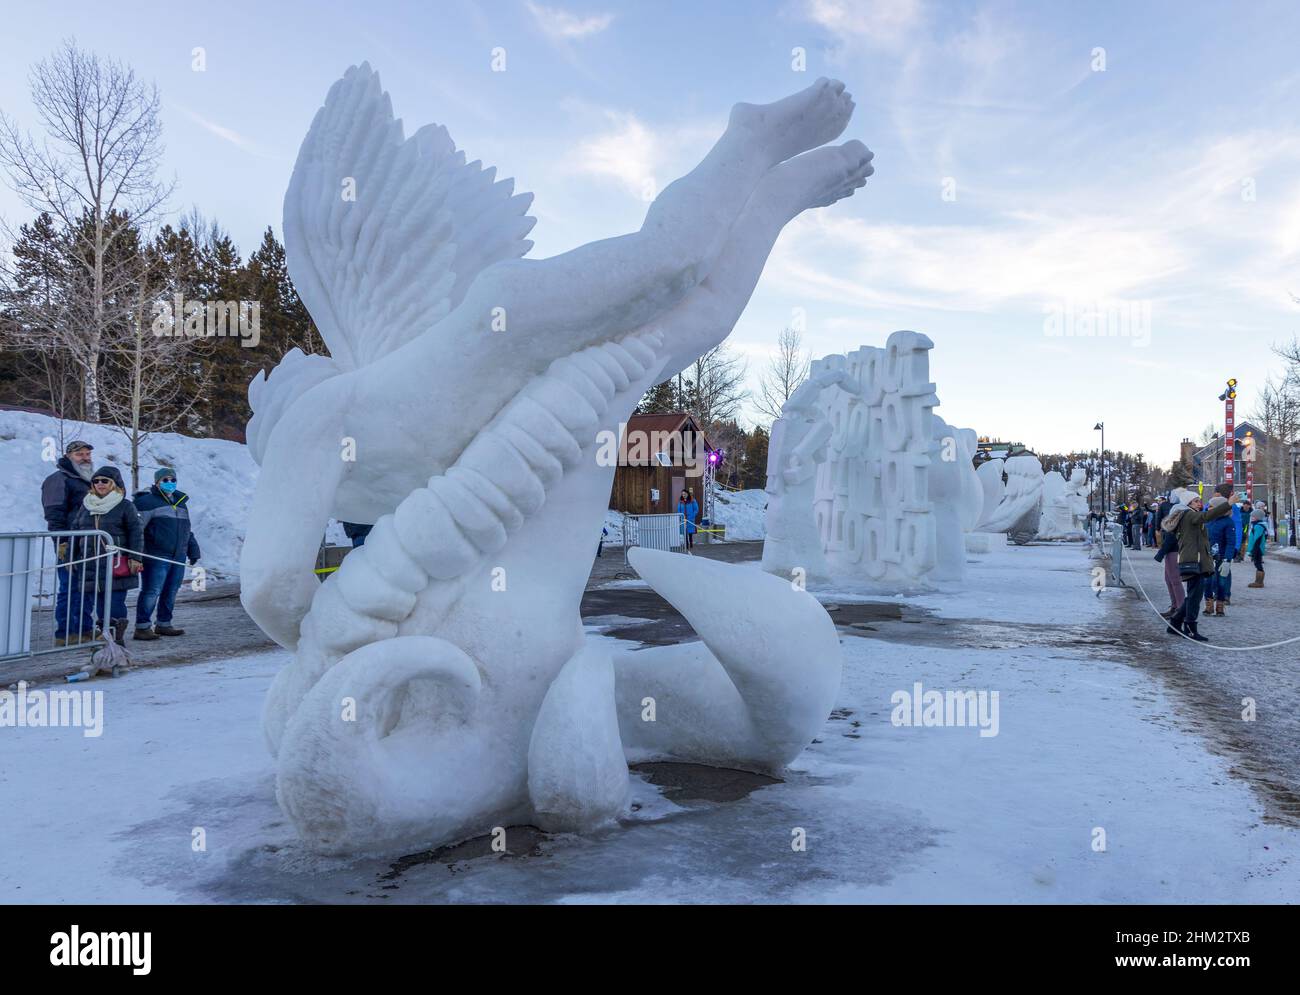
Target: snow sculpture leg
<point>752,695</point>
<point>577,777</point>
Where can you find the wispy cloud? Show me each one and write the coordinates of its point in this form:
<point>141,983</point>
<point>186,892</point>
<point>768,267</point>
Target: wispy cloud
<point>557,23</point>
<point>878,24</point>
<point>225,134</point>
<point>641,158</point>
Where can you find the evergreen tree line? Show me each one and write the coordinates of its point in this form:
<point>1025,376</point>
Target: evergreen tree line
<point>151,366</point>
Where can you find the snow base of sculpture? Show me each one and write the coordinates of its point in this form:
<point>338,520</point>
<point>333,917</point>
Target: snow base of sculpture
<point>985,543</point>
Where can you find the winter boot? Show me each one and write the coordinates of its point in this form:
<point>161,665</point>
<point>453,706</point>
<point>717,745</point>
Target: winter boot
<point>1259,579</point>
<point>1190,629</point>
<point>1218,608</point>
<point>144,632</point>
<point>119,631</point>
<point>167,630</point>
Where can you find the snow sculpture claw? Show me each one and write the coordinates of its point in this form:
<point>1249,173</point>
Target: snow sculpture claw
<point>453,633</point>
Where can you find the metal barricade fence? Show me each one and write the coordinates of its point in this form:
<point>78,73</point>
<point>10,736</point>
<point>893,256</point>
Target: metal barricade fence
<point>42,594</point>
<point>654,532</point>
<point>1116,554</point>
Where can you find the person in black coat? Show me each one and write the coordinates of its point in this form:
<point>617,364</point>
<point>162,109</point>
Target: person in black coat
<point>168,545</point>
<point>107,509</point>
<point>61,494</point>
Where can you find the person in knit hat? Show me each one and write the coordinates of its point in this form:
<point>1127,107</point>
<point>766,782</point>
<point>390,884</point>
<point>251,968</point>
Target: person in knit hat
<point>1187,521</point>
<point>1224,534</point>
<point>1256,539</point>
<point>105,508</point>
<point>1168,554</point>
<point>168,544</point>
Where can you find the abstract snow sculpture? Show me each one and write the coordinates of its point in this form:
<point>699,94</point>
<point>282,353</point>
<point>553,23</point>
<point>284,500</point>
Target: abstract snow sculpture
<point>989,474</point>
<point>954,491</point>
<point>872,501</point>
<point>461,411</point>
<point>972,504</point>
<point>1077,491</point>
<point>792,545</point>
<point>1065,505</point>
<point>1055,521</point>
<point>1018,511</point>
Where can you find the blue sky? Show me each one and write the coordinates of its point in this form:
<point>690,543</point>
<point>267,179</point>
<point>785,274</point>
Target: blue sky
<point>1022,177</point>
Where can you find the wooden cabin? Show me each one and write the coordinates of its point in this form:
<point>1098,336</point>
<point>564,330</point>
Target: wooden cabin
<point>659,457</point>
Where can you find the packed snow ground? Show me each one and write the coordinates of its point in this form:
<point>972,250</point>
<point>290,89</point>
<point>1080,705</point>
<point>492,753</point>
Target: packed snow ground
<point>890,814</point>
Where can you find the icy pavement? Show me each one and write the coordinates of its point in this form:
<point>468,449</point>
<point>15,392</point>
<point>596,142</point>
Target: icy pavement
<point>1215,683</point>
<point>1085,746</point>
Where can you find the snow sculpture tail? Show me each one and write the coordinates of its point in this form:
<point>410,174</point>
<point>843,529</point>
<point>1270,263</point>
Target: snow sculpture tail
<point>349,777</point>
<point>755,693</point>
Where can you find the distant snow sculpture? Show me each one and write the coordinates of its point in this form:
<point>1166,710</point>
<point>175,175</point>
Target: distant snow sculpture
<point>958,499</point>
<point>871,502</point>
<point>1065,505</point>
<point>1018,510</point>
<point>440,683</point>
<point>792,542</point>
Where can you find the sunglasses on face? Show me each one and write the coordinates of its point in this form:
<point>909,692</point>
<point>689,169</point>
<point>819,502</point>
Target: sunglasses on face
<point>101,480</point>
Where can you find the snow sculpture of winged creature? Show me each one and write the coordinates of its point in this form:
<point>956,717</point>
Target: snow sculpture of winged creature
<point>469,384</point>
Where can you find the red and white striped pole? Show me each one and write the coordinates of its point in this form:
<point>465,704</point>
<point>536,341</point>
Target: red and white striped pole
<point>1229,398</point>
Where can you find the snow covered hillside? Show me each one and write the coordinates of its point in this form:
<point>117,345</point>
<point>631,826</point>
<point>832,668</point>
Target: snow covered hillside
<point>219,476</point>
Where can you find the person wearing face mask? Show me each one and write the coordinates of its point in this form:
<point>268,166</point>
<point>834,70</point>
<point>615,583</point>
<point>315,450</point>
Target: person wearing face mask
<point>106,509</point>
<point>165,513</point>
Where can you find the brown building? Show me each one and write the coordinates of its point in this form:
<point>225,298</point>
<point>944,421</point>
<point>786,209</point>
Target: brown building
<point>659,457</point>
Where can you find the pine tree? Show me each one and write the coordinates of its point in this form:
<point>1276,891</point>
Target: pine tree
<point>755,466</point>
<point>660,399</point>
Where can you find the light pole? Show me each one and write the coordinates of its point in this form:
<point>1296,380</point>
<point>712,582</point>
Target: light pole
<point>1101,427</point>
<point>1295,511</point>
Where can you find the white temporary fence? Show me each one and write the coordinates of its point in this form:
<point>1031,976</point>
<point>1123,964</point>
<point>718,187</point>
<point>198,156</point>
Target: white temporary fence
<point>654,532</point>
<point>31,571</point>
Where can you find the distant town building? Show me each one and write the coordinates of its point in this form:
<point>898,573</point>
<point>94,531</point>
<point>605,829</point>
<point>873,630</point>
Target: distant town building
<point>987,449</point>
<point>1207,461</point>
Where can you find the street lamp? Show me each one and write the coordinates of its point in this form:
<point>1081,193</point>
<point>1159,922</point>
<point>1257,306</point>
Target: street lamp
<point>1101,427</point>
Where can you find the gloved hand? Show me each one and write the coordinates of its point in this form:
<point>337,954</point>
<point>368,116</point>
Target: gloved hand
<point>194,563</point>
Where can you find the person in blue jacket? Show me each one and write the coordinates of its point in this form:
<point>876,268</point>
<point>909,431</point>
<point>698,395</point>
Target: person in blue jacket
<point>1223,534</point>
<point>165,514</point>
<point>1255,542</point>
<point>689,509</point>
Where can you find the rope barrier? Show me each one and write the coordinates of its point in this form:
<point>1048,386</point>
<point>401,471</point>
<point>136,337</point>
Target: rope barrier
<point>1197,642</point>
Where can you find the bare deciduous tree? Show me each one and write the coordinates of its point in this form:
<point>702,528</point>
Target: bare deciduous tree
<point>786,371</point>
<point>98,161</point>
<point>147,365</point>
<point>715,386</point>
